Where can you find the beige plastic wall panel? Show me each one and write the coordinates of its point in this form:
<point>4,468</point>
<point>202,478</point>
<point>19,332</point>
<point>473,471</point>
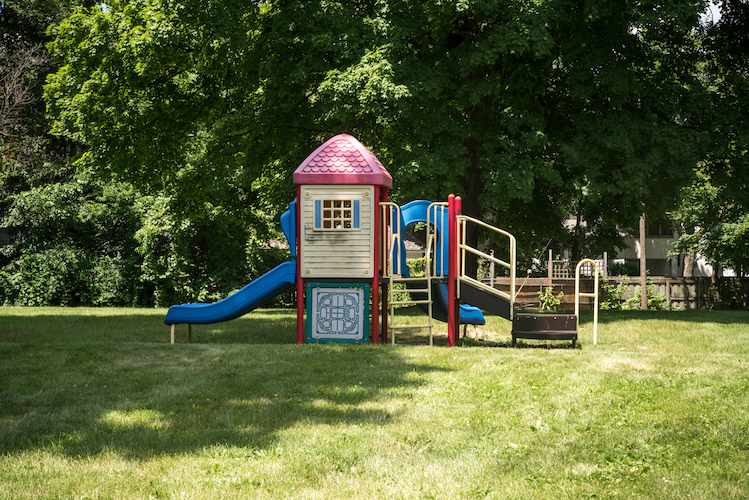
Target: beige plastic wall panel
<point>346,253</point>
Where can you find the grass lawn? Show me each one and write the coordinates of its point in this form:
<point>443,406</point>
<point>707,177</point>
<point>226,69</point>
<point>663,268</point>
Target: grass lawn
<point>96,404</point>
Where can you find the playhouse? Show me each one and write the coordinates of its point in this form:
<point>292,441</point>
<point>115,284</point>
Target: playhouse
<point>339,187</point>
<point>348,252</point>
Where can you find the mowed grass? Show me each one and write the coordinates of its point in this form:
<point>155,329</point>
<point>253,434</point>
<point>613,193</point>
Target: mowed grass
<point>95,403</point>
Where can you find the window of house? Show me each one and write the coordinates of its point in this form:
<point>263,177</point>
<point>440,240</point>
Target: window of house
<point>337,214</point>
<point>660,229</point>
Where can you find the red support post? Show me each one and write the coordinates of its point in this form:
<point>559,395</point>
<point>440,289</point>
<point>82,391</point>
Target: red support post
<point>451,269</point>
<point>458,261</point>
<point>384,244</point>
<point>299,282</point>
<point>374,337</point>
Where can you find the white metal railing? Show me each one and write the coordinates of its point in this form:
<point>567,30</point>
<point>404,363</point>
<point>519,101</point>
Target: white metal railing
<point>579,294</point>
<point>463,248</point>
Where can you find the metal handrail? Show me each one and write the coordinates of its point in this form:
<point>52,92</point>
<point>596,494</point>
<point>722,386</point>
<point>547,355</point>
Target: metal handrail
<point>579,294</point>
<point>390,234</point>
<point>431,243</point>
<point>463,248</point>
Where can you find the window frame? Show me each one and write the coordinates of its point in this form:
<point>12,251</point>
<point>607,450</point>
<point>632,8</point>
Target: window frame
<point>330,211</point>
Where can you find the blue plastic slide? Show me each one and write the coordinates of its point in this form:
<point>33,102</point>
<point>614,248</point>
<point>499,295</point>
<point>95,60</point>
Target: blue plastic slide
<point>252,296</point>
<point>416,211</point>
<point>468,314</point>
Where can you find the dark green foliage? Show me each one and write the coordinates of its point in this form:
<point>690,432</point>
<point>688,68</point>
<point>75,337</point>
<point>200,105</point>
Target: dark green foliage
<point>624,269</point>
<point>529,110</point>
<point>532,111</point>
<point>72,244</point>
<point>614,298</point>
<point>100,241</point>
<point>715,221</point>
<point>714,209</point>
<point>81,243</point>
<point>201,259</point>
<point>730,294</point>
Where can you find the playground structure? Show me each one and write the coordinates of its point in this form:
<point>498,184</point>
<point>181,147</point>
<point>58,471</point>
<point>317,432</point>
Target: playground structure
<point>348,254</point>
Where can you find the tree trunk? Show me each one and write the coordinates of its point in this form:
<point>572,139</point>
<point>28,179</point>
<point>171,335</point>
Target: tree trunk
<point>688,265</point>
<point>471,206</point>
<point>717,273</point>
<point>576,254</point>
<point>643,266</point>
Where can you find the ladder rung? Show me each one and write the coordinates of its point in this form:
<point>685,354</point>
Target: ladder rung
<point>409,326</point>
<point>407,302</point>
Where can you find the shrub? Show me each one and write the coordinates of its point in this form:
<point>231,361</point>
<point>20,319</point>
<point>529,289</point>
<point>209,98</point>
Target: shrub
<point>614,297</point>
<point>549,302</point>
<point>417,267</point>
<point>89,243</point>
<point>200,257</point>
<point>728,295</point>
<point>53,277</point>
<point>72,244</point>
<point>624,269</point>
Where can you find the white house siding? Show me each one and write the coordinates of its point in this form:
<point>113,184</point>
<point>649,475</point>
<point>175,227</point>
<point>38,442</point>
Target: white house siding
<point>658,261</point>
<point>337,253</point>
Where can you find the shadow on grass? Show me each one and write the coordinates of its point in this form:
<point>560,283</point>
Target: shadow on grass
<point>691,316</point>
<point>500,336</point>
<point>263,326</point>
<point>522,344</point>
<point>129,393</point>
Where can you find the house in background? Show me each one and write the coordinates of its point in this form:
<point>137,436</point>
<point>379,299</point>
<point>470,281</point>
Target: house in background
<point>659,241</point>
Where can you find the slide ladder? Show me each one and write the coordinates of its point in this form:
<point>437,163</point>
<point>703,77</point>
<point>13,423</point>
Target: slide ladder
<point>429,292</point>
<point>397,272</point>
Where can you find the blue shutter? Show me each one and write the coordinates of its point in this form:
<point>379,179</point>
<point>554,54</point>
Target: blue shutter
<point>356,214</point>
<point>318,214</point>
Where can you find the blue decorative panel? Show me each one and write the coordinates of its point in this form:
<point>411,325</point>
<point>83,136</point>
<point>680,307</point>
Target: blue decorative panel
<point>337,312</point>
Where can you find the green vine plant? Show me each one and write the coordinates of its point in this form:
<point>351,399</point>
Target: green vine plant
<point>549,301</point>
<point>614,298</point>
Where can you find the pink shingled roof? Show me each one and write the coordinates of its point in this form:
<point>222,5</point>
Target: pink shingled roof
<point>342,160</point>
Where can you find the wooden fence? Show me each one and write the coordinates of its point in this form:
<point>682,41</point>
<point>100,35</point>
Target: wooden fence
<point>678,293</point>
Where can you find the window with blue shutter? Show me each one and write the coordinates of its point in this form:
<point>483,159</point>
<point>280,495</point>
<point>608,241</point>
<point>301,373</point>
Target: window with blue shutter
<point>337,214</point>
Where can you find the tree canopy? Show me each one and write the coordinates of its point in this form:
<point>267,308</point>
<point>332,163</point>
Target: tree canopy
<point>532,111</point>
<point>714,208</point>
<point>528,109</point>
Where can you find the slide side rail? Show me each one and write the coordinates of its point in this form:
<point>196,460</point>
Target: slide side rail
<point>463,248</point>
